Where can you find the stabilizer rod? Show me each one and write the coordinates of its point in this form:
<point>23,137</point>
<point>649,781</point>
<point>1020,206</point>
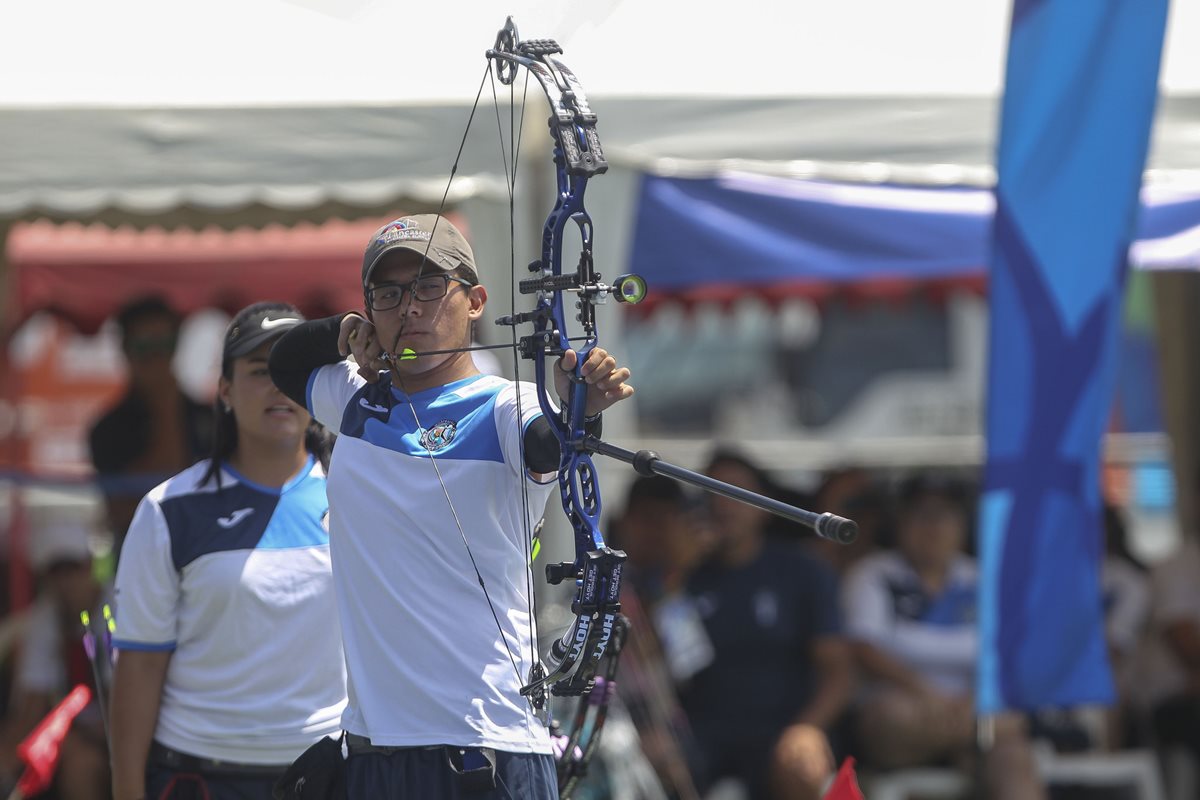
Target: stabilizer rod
<point>647,462</point>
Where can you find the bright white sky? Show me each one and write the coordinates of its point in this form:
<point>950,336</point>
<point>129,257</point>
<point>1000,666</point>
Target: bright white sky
<point>234,52</point>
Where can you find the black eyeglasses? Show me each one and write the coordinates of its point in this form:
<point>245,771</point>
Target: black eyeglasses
<point>428,287</point>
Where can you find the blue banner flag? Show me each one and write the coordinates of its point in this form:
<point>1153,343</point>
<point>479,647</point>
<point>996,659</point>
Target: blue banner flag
<point>1079,98</point>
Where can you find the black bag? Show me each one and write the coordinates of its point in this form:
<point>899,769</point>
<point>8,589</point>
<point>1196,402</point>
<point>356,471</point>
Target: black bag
<point>475,768</point>
<point>318,774</point>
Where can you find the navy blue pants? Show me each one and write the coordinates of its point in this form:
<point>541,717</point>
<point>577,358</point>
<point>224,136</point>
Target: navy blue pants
<point>413,774</point>
<point>167,784</point>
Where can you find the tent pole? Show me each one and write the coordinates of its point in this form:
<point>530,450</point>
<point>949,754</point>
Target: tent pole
<point>1177,315</point>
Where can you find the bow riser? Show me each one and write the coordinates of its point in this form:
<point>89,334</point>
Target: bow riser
<point>583,660</point>
<point>597,566</point>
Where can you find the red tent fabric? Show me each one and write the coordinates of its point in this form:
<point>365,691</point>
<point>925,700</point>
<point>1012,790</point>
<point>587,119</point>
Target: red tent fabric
<point>85,273</point>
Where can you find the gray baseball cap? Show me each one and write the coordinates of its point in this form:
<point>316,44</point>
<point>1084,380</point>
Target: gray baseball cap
<point>428,235</point>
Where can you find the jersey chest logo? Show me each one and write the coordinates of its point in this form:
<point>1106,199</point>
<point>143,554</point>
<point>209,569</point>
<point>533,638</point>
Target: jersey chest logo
<point>439,436</point>
<point>367,404</point>
<point>235,517</point>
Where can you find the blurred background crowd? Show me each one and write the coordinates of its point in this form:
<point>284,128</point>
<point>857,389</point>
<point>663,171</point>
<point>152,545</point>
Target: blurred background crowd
<point>816,232</point>
<point>759,655</point>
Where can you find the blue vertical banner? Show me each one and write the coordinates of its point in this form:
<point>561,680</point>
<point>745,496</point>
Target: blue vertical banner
<point>1079,97</point>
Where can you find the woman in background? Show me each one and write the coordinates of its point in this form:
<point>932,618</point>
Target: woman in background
<point>230,653</point>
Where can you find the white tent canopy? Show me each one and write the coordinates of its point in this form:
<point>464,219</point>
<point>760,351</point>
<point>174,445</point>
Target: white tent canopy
<point>241,164</point>
<point>303,52</point>
<point>160,113</point>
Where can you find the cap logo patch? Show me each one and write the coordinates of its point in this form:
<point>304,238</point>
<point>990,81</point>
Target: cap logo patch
<point>269,324</point>
<point>404,230</point>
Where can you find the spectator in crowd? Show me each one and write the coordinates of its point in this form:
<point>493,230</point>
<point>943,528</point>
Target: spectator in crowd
<point>155,429</point>
<point>1126,594</point>
<point>1169,674</point>
<point>911,615</point>
<point>230,660</point>
<point>853,493</point>
<point>659,534</point>
<point>784,529</point>
<point>52,660</point>
<point>662,537</point>
<point>780,675</point>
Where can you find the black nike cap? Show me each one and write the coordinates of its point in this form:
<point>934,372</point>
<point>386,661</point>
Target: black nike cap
<point>256,324</point>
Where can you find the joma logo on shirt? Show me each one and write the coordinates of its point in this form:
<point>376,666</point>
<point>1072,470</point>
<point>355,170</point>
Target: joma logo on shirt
<point>235,517</point>
<point>367,404</point>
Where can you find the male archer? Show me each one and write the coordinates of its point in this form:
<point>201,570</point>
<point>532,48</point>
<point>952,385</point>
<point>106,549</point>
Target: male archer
<point>438,474</point>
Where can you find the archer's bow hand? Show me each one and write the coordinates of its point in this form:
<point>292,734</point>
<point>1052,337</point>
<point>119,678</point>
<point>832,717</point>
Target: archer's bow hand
<point>606,382</point>
<point>357,337</point>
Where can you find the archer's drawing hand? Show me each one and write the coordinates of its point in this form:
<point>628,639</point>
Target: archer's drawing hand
<point>357,338</point>
<point>606,382</point>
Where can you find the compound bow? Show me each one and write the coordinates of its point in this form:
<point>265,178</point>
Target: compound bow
<point>583,661</point>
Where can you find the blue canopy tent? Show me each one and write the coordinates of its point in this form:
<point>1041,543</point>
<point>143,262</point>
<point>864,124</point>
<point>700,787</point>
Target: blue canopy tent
<point>699,238</point>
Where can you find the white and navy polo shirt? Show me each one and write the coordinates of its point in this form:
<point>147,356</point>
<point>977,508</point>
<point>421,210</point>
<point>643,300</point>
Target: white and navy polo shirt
<point>236,583</point>
<point>425,659</point>
<point>885,604</point>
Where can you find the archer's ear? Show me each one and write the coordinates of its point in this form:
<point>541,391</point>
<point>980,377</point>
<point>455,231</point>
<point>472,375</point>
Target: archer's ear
<point>223,392</point>
<point>478,296</point>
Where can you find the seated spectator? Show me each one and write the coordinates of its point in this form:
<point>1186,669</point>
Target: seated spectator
<point>854,493</point>
<point>911,615</point>
<point>660,536</point>
<point>155,429</point>
<point>784,529</point>
<point>52,660</point>
<point>667,643</point>
<point>780,675</point>
<point>1169,674</point>
<point>1126,593</point>
<point>663,541</point>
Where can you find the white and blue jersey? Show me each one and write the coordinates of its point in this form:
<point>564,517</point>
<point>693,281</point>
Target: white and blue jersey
<point>237,584</point>
<point>885,605</point>
<point>426,661</point>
